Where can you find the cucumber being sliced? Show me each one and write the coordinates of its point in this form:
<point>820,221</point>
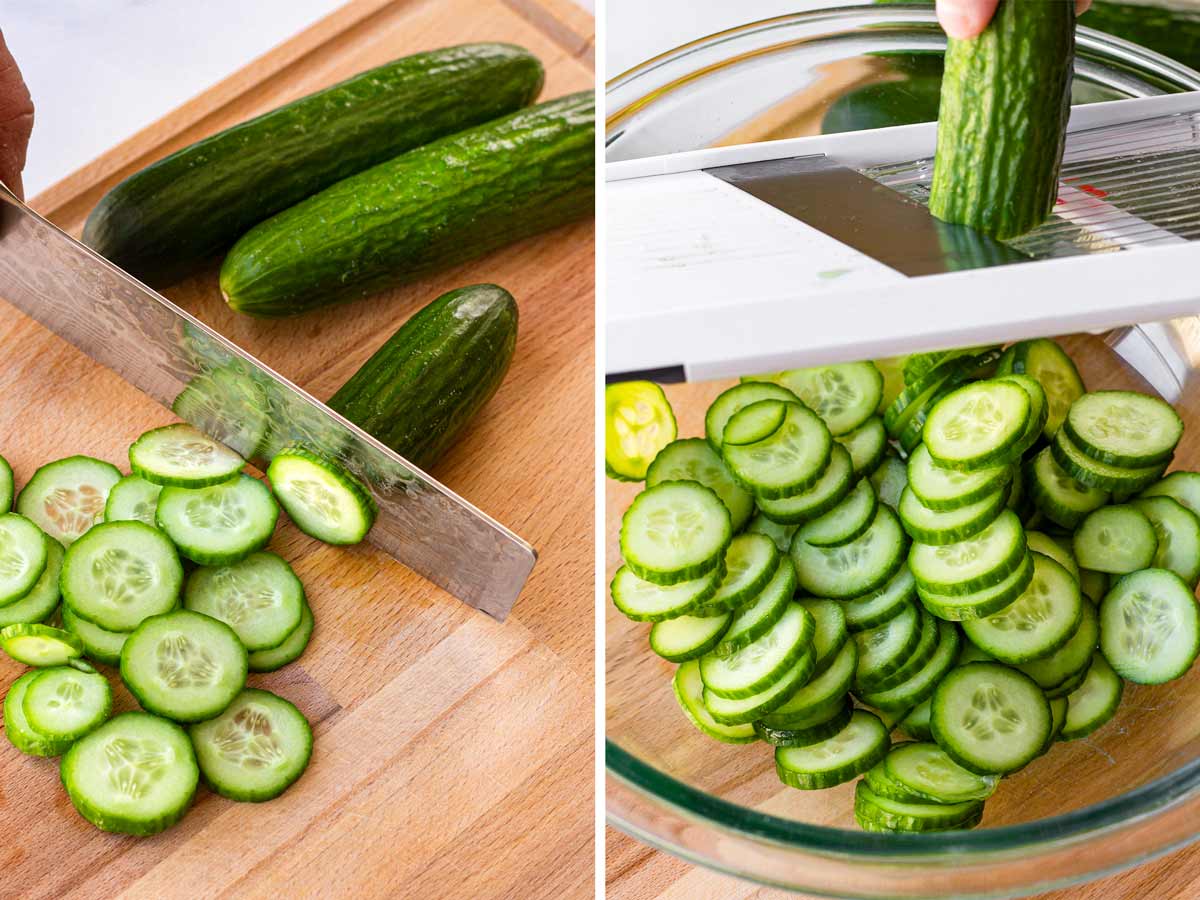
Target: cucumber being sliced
<point>120,573</point>
<point>866,445</point>
<point>831,632</point>
<point>1178,532</point>
<point>136,774</point>
<point>845,395</point>
<point>692,459</point>
<point>931,776</point>
<point>845,522</point>
<point>99,645</point>
<point>17,728</point>
<point>980,603</point>
<point>877,607</point>
<point>1094,702</point>
<point>788,462</point>
<point>736,398</point>
<point>837,759</point>
<point>919,687</point>
<point>1071,660</point>
<point>750,563</point>
<point>289,651</point>
<point>184,665</point>
<point>256,749</point>
<point>675,531</point>
<point>974,564</point>
<point>949,526</point>
<point>66,497</point>
<point>758,616</point>
<point>827,493</point>
<point>1055,372</point>
<point>1084,469</point>
<point>946,489</point>
<point>1037,623</point>
<point>221,524</point>
<point>39,645</point>
<point>42,599</point>
<point>260,598</point>
<point>64,704</point>
<point>810,704</point>
<point>754,707</point>
<point>686,637</point>
<point>638,423</point>
<point>181,456</point>
<point>989,718</point>
<point>856,568</point>
<point>889,481</point>
<point>1149,627</point>
<point>645,601</point>
<point>324,500</point>
<point>876,813</point>
<point>1062,499</point>
<point>1183,487</point>
<point>132,499</point>
<point>689,691</point>
<point>978,425</point>
<point>228,402</point>
<point>1116,539</point>
<point>23,556</point>
<point>1123,428</point>
<point>758,665</point>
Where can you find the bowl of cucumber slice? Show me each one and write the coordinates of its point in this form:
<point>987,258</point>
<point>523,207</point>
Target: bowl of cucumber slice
<point>917,627</point>
<point>830,70</point>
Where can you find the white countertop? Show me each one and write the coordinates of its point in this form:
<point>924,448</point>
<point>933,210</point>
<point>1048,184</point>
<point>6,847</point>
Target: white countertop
<point>101,71</point>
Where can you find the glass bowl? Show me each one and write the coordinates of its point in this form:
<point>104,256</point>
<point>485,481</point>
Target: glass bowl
<point>1127,793</point>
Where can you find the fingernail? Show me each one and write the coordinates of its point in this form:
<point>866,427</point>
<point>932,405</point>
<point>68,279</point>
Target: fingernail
<point>958,18</point>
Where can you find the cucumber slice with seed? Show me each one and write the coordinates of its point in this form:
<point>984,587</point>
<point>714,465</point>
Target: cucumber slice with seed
<point>734,399</point>
<point>132,499</point>
<point>66,497</point>
<point>1183,487</point>
<point>639,422</point>
<point>754,707</point>
<point>181,456</point>
<point>645,601</point>
<point>889,481</point>
<point>688,637</point>
<point>40,645</point>
<point>883,603</point>
<point>930,775</point>
<point>750,563</point>
<point>221,524</point>
<point>675,531</point>
<point>788,462</point>
<point>23,555</point>
<point>1084,469</point>
<point>845,522</point>
<point>884,649</point>
<point>100,645</point>
<point>949,526</point>
<point>866,445</point>
<point>971,565</point>
<point>17,728</point>
<point>919,687</point>
<point>1116,539</point>
<point>757,666</point>
<point>845,395</point>
<point>819,499</point>
<point>946,489</point>
<point>689,692</point>
<point>1055,372</point>
<point>781,535</point>
<point>1038,410</point>
<point>1062,499</point>
<point>260,598</point>
<point>759,615</point>
<point>837,759</point>
<point>64,704</point>
<point>754,423</point>
<point>324,500</point>
<point>1178,531</point>
<point>812,703</point>
<point>289,651</point>
<point>1149,627</point>
<point>834,720</point>
<point>1071,660</point>
<point>877,813</point>
<point>1123,428</point>
<point>980,603</point>
<point>978,425</point>
<point>856,568</point>
<point>692,459</point>
<point>42,599</point>
<point>1094,702</point>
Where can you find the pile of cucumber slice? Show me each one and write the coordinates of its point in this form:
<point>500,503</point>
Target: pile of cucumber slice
<point>979,560</point>
<point>109,547</point>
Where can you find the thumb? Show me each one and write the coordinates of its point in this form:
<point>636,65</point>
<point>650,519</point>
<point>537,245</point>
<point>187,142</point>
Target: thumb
<point>965,19</point>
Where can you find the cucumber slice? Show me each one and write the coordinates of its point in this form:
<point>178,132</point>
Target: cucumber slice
<point>132,499</point>
<point>98,644</point>
<point>889,481</point>
<point>181,456</point>
<point>882,604</point>
<point>950,526</point>
<point>788,462</point>
<point>737,398</point>
<point>758,616</point>
<point>915,723</point>
<point>689,691</point>
<point>675,531</point>
<point>831,632</point>
<point>1084,469</point>
<point>757,666</point>
<point>1062,499</point>
<point>875,812</point>
<point>1116,539</point>
<point>833,720</point>
<point>64,704</point>
<point>945,489</point>
<point>120,573</point>
<point>887,677</point>
<point>780,534</point>
<point>228,403</point>
<point>692,459</point>
<point>1123,428</point>
<point>324,500</point>
<point>1093,584</point>
<point>256,749</point>
<point>221,524</point>
<point>1094,702</point>
<point>43,598</point>
<point>845,395</point>
<point>813,703</point>
<point>1039,411</point>
<point>184,665</point>
<point>837,759</point>
<point>919,687</point>
<point>17,728</point>
<point>6,485</point>
<point>1183,487</point>
<point>66,497</point>
<point>1071,660</point>
<point>750,563</point>
<point>928,773</point>
<point>1058,718</point>
<point>978,425</point>
<point>645,601</point>
<point>882,650</point>
<point>638,423</point>
<point>1037,623</point>
<point>39,645</point>
<point>750,709</point>
<point>1058,550</point>
<point>1149,627</point>
<point>819,499</point>
<point>968,566</point>
<point>856,568</point>
<point>846,522</point>
<point>1061,691</point>
<point>866,445</point>
<point>136,774</point>
<point>289,651</point>
<point>754,423</point>
<point>989,718</point>
<point>23,556</point>
<point>983,602</point>
<point>1178,531</point>
<point>883,785</point>
<point>920,387</point>
<point>1055,372</point>
<point>260,598</point>
<point>688,637</point>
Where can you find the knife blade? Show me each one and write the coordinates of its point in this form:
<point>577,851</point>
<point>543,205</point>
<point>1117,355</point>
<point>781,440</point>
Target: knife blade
<point>180,362</point>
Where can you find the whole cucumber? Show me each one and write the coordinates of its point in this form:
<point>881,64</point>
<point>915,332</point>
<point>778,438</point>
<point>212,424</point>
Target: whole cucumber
<point>162,221</point>
<point>420,389</point>
<point>446,202</point>
<point>1006,97</point>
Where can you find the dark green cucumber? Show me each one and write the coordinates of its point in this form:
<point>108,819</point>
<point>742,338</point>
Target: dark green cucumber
<point>450,201</point>
<point>1006,96</point>
<point>422,387</point>
<point>179,211</point>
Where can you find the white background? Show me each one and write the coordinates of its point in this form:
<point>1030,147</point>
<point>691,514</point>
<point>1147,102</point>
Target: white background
<point>100,70</point>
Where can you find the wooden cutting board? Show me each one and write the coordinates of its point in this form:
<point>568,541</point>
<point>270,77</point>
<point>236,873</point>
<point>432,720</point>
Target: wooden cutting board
<point>453,755</point>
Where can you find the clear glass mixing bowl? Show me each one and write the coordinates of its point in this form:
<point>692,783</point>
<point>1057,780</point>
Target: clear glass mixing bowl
<point>1128,793</point>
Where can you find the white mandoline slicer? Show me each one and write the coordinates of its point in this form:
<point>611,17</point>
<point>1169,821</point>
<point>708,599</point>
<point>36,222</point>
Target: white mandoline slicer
<point>801,252</point>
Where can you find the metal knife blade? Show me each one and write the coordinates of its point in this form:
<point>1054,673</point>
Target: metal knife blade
<point>179,361</point>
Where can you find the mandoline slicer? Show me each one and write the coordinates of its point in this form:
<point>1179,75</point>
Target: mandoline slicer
<point>800,252</point>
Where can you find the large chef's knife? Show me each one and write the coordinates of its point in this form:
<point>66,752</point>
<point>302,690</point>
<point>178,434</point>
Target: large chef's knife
<point>180,362</point>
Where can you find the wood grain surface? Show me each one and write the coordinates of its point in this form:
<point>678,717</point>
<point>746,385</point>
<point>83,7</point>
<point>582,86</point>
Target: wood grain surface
<point>453,755</point>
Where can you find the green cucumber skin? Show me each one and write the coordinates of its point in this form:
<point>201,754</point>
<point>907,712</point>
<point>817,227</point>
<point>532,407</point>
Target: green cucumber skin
<point>1006,97</point>
<point>162,221</point>
<point>450,201</point>
<point>423,387</point>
